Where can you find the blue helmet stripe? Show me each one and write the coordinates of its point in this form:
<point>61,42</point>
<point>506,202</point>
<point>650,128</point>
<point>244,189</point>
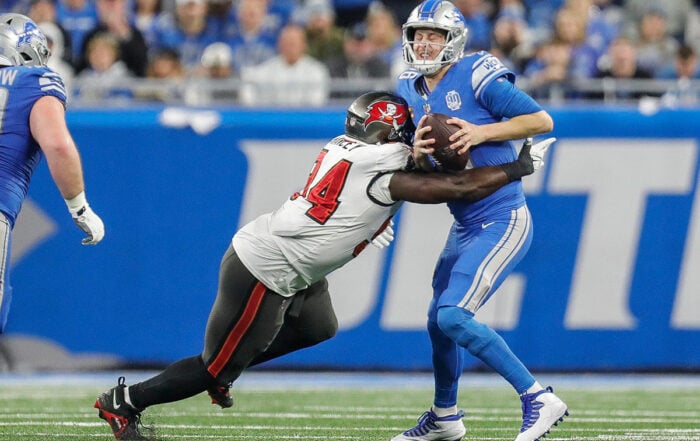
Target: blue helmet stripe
<point>428,8</point>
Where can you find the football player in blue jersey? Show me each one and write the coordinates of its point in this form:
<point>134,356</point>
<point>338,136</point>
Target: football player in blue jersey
<point>488,237</point>
<point>32,125</point>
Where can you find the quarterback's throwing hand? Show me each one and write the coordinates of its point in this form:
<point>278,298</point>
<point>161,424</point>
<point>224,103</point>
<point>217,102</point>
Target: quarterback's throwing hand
<point>86,219</point>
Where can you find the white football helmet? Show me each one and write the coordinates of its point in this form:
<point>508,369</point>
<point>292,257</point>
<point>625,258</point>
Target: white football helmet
<point>20,33</point>
<point>440,15</point>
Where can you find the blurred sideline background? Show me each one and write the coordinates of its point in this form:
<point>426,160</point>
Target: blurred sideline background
<point>609,283</point>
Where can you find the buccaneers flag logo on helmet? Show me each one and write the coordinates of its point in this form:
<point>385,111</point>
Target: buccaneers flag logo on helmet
<point>386,112</point>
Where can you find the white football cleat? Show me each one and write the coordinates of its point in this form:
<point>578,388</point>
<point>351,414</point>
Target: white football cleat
<point>541,411</point>
<point>431,427</point>
<point>538,152</point>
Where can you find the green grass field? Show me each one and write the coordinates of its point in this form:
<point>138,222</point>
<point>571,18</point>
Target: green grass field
<point>321,408</point>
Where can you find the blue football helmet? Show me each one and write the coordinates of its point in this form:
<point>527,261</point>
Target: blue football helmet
<point>440,15</point>
<point>19,34</point>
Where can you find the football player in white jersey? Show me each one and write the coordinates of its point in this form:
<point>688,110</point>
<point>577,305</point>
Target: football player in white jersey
<point>32,125</point>
<point>273,296</point>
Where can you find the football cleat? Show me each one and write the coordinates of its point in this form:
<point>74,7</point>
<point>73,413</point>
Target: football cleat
<point>123,418</point>
<point>431,427</point>
<point>541,411</point>
<point>221,396</point>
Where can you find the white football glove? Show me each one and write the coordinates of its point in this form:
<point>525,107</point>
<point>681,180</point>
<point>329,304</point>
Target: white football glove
<point>539,150</point>
<point>86,219</point>
<point>385,237</point>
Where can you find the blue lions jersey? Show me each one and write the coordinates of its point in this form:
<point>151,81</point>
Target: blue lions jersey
<point>20,88</point>
<point>460,93</point>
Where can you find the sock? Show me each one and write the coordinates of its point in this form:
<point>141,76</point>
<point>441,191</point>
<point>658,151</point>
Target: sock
<point>485,344</point>
<point>445,411</point>
<point>180,380</point>
<point>534,388</point>
<point>447,366</point>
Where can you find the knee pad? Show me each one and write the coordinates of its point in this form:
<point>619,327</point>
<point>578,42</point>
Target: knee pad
<point>460,326</point>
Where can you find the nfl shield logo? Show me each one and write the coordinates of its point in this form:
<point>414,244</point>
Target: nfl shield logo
<point>453,100</point>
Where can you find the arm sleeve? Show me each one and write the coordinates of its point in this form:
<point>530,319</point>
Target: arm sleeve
<point>378,189</point>
<point>504,99</point>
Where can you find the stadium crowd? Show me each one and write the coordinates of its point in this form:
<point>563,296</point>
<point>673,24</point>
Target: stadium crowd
<point>307,52</point>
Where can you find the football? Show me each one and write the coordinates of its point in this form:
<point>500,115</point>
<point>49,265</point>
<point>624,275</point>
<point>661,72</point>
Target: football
<point>441,132</point>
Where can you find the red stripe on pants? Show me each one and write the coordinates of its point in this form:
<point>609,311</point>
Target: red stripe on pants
<point>238,331</point>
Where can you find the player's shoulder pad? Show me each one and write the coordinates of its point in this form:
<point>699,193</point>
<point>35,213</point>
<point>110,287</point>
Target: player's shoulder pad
<point>485,68</point>
<point>46,80</point>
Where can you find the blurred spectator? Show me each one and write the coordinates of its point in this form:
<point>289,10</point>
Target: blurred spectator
<point>291,79</point>
<point>280,12</point>
<point>548,71</point>
<point>612,13</point>
<point>165,68</point>
<point>77,17</point>
<point>685,65</point>
<point>54,37</point>
<point>44,11</point>
<point>148,15</point>
<point>477,22</point>
<point>189,33</point>
<point>692,29</point>
<point>685,69</point>
<point>510,8</point>
<point>221,17</point>
<point>570,28</point>
<point>599,32</point>
<point>254,39</point>
<point>217,65</point>
<point>217,61</point>
<point>384,32</point>
<point>165,64</point>
<point>103,77</point>
<point>540,16</point>
<point>655,48</point>
<point>676,11</point>
<point>358,59</point>
<point>511,41</point>
<point>113,16</point>
<point>620,63</point>
<point>325,39</point>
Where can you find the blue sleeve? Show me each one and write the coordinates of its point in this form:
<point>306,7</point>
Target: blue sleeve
<point>504,99</point>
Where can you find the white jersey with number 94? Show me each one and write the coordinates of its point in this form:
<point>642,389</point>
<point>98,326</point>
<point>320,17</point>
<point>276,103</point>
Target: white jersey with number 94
<point>344,204</point>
